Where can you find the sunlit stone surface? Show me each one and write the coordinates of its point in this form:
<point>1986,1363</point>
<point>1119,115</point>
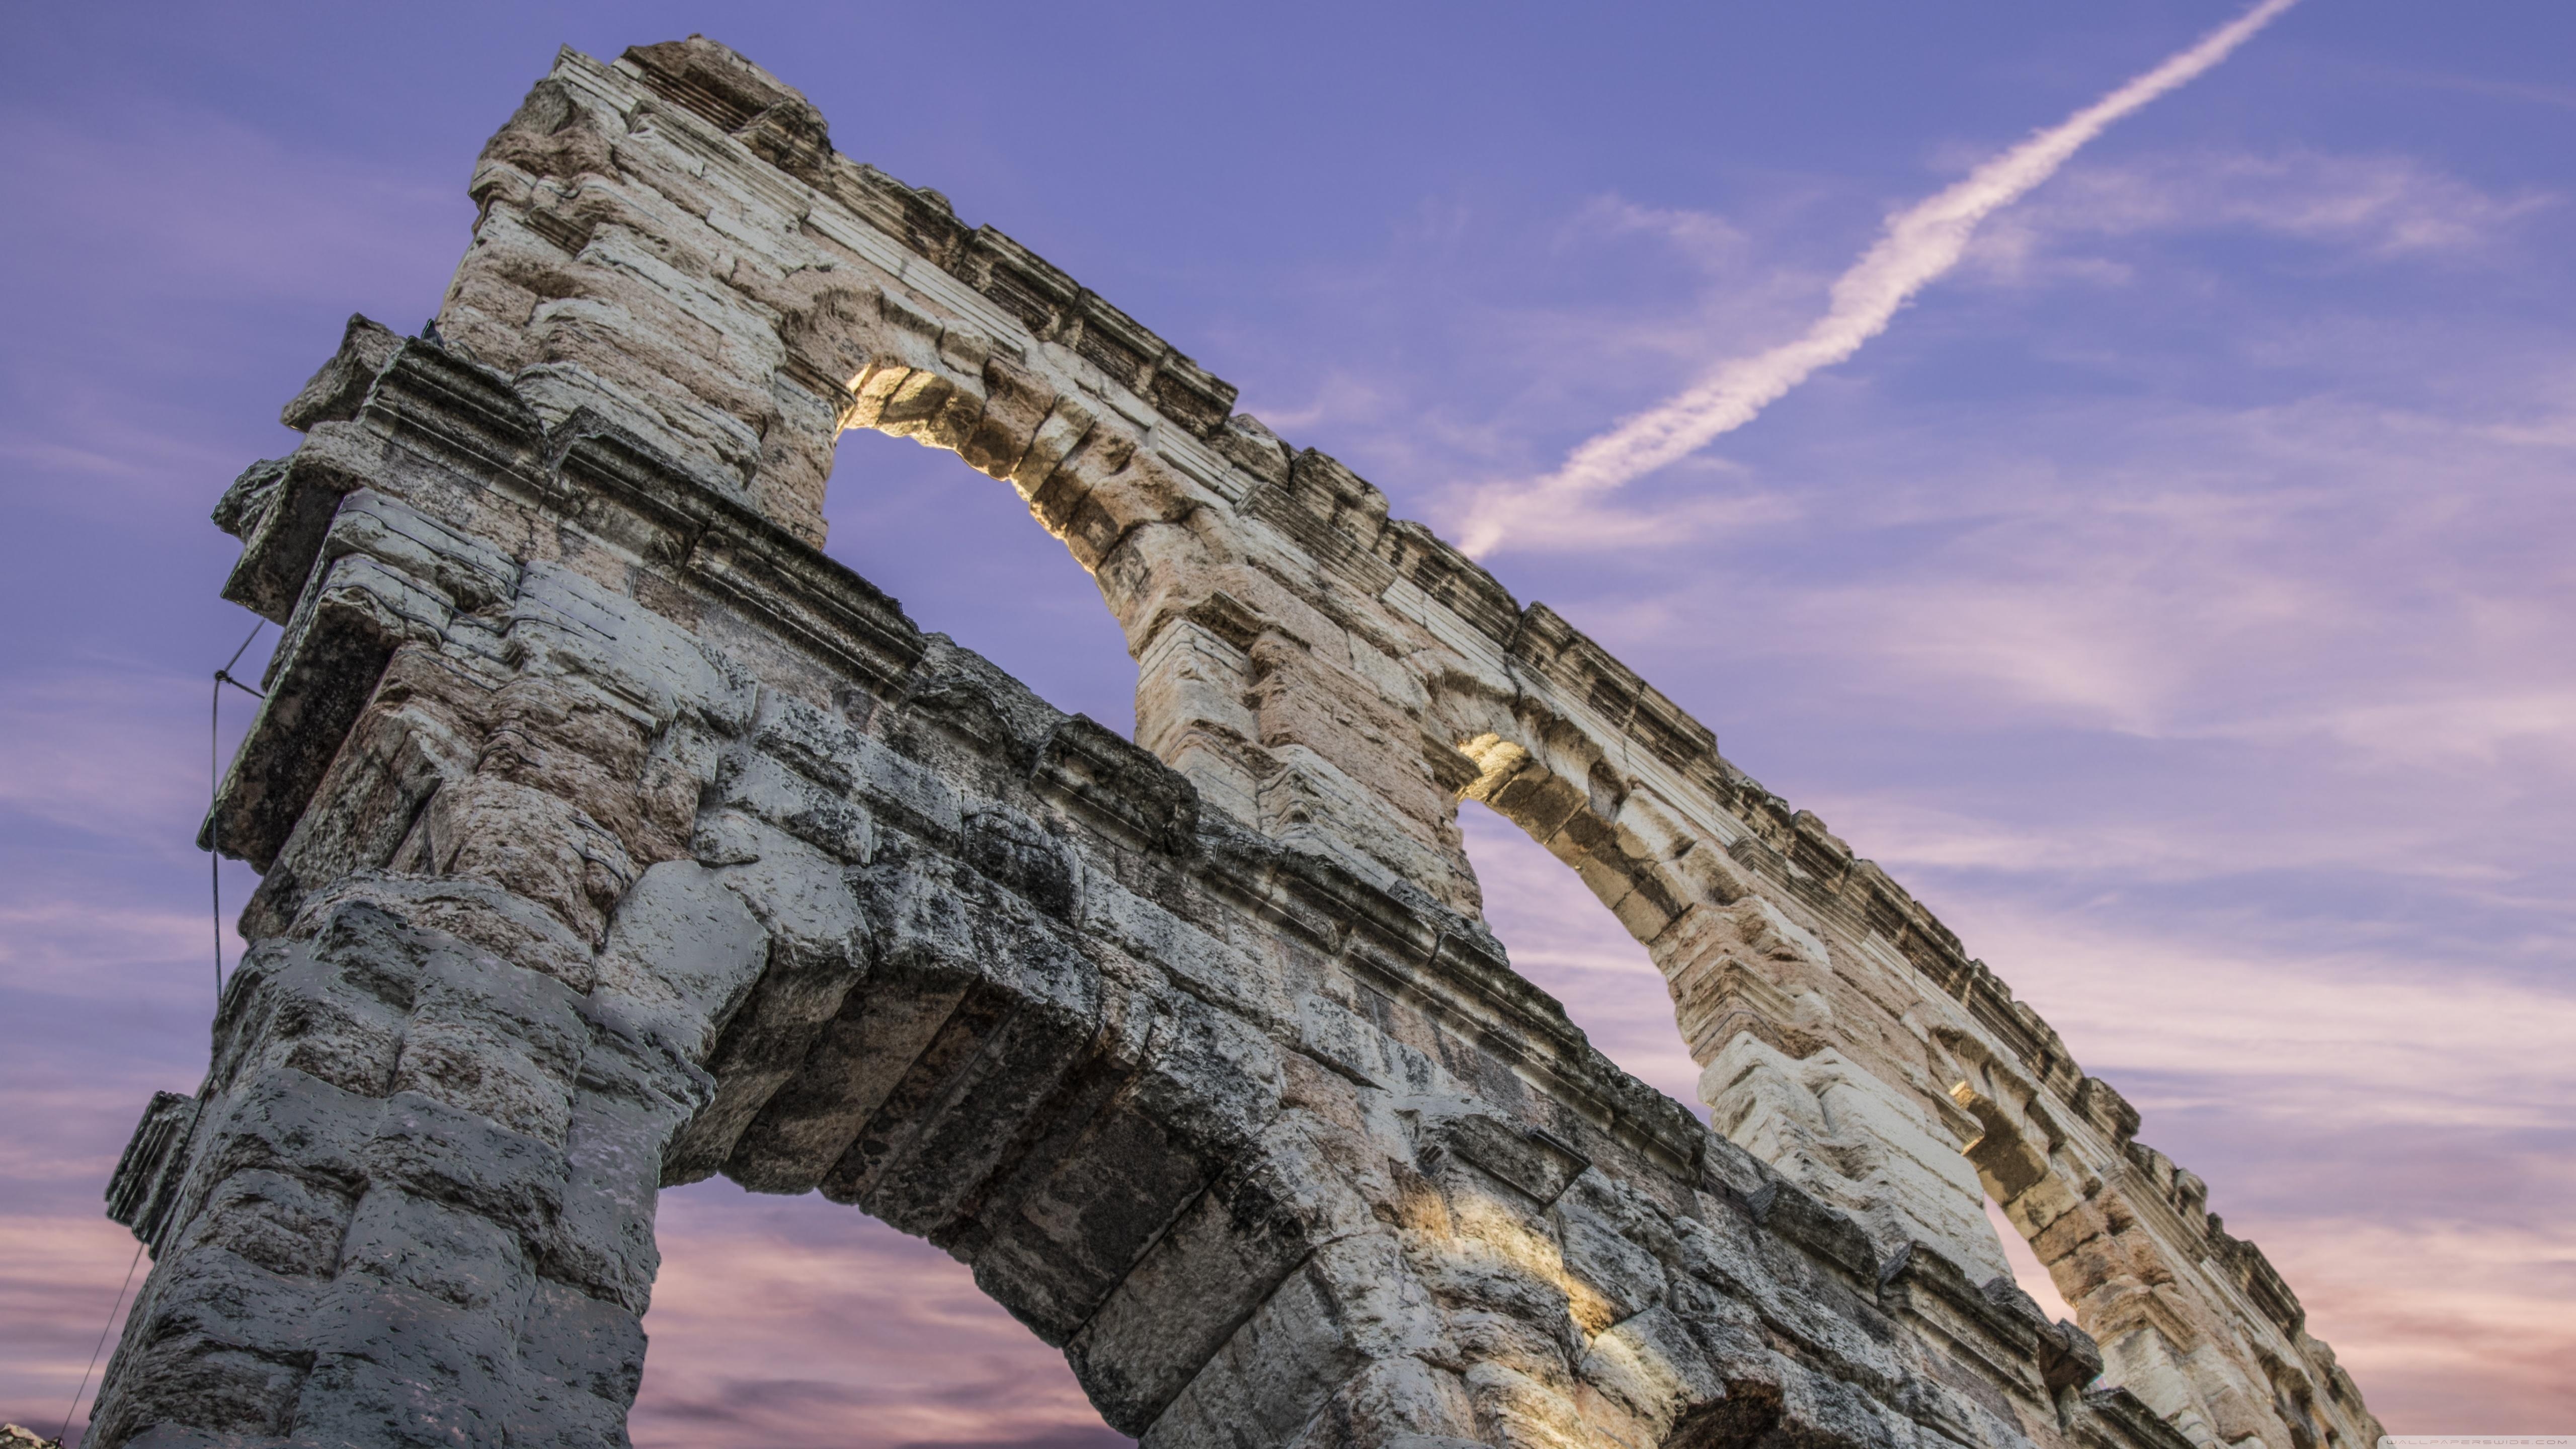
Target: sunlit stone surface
<point>615,837</point>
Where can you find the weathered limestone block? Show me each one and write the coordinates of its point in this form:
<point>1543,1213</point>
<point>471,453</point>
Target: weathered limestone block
<point>363,1171</point>
<point>1820,1124</point>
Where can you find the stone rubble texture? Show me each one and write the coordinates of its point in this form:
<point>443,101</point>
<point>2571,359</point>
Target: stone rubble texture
<point>614,837</point>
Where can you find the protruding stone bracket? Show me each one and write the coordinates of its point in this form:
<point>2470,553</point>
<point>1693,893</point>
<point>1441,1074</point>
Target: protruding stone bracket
<point>143,1192</point>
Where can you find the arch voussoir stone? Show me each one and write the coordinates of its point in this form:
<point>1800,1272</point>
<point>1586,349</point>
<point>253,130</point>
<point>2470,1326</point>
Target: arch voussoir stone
<point>613,836</point>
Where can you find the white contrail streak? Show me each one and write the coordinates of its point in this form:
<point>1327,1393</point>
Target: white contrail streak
<point>1920,243</point>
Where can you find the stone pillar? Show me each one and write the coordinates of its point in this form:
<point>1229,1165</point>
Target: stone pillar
<point>1749,989</point>
<point>417,1203</point>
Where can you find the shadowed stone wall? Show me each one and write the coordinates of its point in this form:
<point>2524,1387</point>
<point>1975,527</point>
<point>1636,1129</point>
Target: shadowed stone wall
<point>613,836</point>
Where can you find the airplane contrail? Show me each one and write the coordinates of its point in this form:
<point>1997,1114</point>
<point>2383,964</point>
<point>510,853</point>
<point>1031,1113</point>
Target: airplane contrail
<point>1920,243</point>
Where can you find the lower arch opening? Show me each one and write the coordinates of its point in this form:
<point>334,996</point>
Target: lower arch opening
<point>801,1323</point>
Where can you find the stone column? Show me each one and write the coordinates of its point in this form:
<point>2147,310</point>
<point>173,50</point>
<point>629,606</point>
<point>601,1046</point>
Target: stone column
<point>413,1200</point>
<point>1748,988</point>
<point>417,1203</point>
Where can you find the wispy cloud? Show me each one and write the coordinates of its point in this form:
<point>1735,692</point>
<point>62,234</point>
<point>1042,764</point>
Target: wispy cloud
<point>2432,1317</point>
<point>2557,97</point>
<point>2375,207</point>
<point>2335,1036</point>
<point>2313,572</point>
<point>1699,237</point>
<point>1918,245</point>
<point>118,750</point>
<point>182,203</point>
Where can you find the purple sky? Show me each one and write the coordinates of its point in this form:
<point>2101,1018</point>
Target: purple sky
<point>2176,598</point>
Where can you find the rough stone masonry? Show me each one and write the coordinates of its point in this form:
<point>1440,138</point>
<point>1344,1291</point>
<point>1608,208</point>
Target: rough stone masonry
<point>613,836</point>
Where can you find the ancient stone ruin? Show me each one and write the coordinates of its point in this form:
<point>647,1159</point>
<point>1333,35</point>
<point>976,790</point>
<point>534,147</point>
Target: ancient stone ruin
<point>613,836</point>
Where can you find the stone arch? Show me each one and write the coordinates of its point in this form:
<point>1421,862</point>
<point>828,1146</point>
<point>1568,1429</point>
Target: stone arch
<point>1749,983</point>
<point>616,289</point>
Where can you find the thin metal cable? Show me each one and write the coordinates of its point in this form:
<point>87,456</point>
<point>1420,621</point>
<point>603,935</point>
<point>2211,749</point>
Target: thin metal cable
<point>215,864</point>
<point>102,1340</point>
<point>214,792</point>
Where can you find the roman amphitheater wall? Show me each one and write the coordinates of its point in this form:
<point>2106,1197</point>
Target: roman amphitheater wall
<point>614,836</point>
